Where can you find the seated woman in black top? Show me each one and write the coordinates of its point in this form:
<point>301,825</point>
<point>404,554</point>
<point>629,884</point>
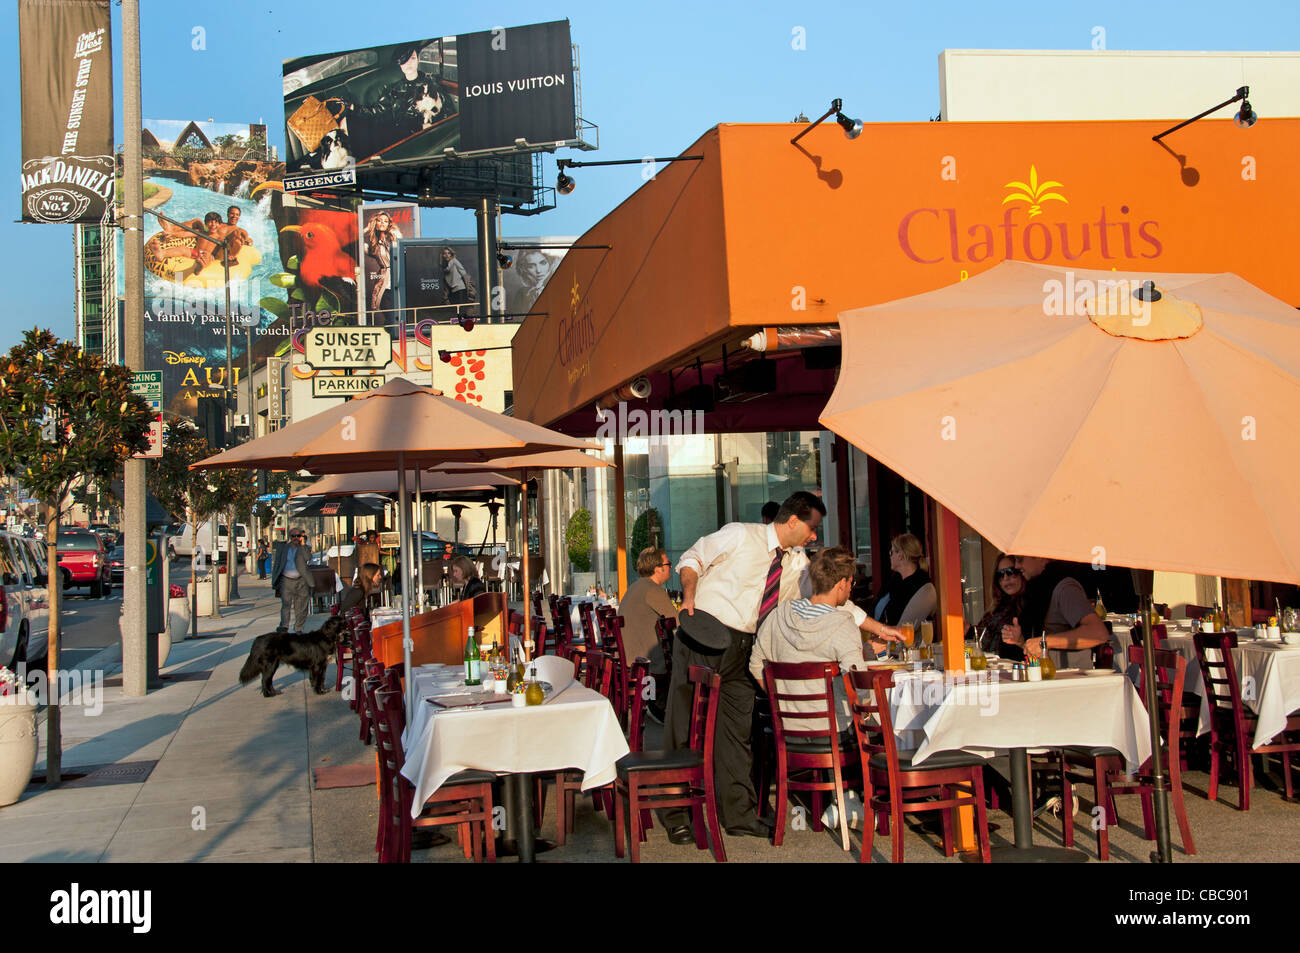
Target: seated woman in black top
<point>465,582</point>
<point>1009,584</point>
<point>907,560</point>
<point>369,579</point>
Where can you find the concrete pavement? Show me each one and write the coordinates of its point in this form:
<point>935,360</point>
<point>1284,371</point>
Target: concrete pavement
<point>233,782</point>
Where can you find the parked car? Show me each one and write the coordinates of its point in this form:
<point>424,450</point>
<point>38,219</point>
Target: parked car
<point>83,561</point>
<point>25,606</point>
<point>116,564</point>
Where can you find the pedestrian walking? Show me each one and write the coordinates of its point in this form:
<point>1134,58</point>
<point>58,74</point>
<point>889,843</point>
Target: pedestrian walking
<point>731,581</point>
<point>291,579</point>
<point>263,551</point>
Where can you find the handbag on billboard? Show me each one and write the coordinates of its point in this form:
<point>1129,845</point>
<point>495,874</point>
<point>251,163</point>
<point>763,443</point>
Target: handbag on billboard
<point>312,120</point>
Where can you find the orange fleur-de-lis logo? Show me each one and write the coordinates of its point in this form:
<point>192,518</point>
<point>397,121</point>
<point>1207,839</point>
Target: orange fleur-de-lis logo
<point>1033,193</point>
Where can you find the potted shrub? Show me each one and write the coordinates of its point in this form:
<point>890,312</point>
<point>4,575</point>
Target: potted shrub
<point>577,538</point>
<point>178,613</point>
<point>17,737</point>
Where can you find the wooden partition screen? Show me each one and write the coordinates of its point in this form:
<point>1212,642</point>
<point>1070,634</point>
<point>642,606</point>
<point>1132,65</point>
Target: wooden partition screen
<point>439,634</point>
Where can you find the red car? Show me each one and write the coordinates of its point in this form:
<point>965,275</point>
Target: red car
<point>83,562</point>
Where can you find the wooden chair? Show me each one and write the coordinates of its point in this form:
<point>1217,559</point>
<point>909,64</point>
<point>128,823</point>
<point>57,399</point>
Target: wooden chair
<point>664,631</point>
<point>611,640</point>
<point>807,740</point>
<point>543,637</point>
<point>660,779</point>
<point>1232,725</point>
<point>893,786</point>
<point>568,783</point>
<point>637,679</point>
<point>1107,764</point>
<point>590,633</point>
<point>464,800</point>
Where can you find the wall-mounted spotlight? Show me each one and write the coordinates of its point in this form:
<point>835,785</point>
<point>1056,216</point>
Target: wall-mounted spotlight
<point>1245,118</point>
<point>466,323</point>
<point>564,184</point>
<point>504,260</point>
<point>444,356</point>
<point>852,127</point>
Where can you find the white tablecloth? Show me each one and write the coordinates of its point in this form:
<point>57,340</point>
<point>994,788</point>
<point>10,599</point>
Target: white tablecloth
<point>576,728</point>
<point>1269,673</point>
<point>987,717</point>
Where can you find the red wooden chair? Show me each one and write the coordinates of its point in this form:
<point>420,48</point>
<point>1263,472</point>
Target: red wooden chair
<point>611,640</point>
<point>1233,725</point>
<point>464,800</point>
<point>893,786</point>
<point>807,740</point>
<point>590,632</point>
<point>543,637</point>
<point>647,780</point>
<point>664,630</point>
<point>1107,764</point>
<point>568,783</point>
<point>1197,612</point>
<point>638,680</point>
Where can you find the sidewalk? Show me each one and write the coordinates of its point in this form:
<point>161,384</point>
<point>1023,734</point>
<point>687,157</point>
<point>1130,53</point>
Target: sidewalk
<point>231,778</point>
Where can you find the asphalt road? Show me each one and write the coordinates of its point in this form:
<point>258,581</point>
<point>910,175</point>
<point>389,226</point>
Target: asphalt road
<point>90,625</point>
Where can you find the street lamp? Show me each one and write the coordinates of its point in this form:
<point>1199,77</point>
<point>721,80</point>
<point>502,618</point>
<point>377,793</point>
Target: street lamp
<point>1245,118</point>
<point>564,184</point>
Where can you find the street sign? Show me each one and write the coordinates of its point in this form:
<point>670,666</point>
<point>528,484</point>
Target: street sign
<point>149,385</point>
<point>323,385</point>
<point>320,180</point>
<point>348,348</point>
<point>267,497</point>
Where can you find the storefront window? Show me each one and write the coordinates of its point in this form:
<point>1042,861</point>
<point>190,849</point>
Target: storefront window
<point>861,496</point>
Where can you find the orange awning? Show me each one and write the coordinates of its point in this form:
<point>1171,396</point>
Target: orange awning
<point>762,233</point>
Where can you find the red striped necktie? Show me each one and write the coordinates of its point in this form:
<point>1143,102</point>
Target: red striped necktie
<point>771,591</point>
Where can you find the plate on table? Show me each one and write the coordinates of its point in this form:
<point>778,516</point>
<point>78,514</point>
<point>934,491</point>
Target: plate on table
<point>891,666</point>
<point>1101,671</point>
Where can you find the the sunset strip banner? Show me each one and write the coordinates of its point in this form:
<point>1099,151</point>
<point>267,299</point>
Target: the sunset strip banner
<point>67,104</point>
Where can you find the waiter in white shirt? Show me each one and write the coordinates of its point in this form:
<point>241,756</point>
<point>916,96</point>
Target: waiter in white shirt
<point>731,580</point>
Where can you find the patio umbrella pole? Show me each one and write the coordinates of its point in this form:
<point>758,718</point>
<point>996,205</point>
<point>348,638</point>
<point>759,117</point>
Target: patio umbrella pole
<point>1163,854</point>
<point>528,619</point>
<point>404,545</point>
<point>419,550</point>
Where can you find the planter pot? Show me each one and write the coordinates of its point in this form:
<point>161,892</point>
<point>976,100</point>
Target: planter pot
<point>178,619</point>
<point>164,647</point>
<point>17,746</point>
<point>223,588</point>
<point>205,598</point>
<point>248,563</point>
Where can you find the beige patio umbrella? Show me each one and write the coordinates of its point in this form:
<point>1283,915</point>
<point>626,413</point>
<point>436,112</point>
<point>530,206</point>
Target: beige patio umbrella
<point>425,482</point>
<point>1145,420</point>
<point>526,468</point>
<point>399,425</point>
<point>1160,436</point>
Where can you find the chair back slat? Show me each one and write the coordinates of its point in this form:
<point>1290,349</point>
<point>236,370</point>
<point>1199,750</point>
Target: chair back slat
<point>868,695</point>
<point>636,715</point>
<point>1170,679</point>
<point>815,705</point>
<point>704,711</point>
<point>1219,673</point>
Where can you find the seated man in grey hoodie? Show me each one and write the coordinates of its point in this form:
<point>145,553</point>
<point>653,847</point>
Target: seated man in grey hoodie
<point>817,630</point>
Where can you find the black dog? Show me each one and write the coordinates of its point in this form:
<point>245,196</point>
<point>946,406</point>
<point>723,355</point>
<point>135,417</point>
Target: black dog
<point>308,652</point>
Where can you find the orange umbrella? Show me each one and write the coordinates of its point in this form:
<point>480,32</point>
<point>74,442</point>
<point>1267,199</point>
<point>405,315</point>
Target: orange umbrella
<point>1063,417</point>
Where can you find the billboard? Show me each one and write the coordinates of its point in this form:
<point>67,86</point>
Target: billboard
<point>67,107</point>
<point>411,102</point>
<point>383,225</point>
<point>216,210</point>
<point>433,271</point>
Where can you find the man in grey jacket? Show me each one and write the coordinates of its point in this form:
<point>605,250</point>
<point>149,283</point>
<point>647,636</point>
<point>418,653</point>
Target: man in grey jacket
<point>817,629</point>
<point>291,579</point>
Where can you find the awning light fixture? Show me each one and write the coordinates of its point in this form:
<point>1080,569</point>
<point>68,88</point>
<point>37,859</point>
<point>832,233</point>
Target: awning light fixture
<point>852,127</point>
<point>1245,118</point>
<point>565,184</point>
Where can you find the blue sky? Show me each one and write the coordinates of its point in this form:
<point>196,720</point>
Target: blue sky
<point>654,77</point>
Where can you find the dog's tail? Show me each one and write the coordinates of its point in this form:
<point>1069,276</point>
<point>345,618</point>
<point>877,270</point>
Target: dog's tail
<point>253,666</point>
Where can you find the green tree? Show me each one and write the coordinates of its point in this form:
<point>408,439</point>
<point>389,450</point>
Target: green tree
<point>65,417</point>
<point>578,539</point>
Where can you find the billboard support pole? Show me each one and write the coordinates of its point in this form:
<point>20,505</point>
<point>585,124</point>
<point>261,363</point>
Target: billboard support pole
<point>134,592</point>
<point>231,395</point>
<point>485,254</point>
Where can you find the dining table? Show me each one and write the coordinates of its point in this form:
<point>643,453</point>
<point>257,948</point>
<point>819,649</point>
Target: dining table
<point>988,714</point>
<point>1268,670</point>
<point>575,728</point>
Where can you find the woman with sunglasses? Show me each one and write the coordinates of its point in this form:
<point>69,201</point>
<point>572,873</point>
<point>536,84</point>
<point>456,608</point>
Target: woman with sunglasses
<point>1009,584</point>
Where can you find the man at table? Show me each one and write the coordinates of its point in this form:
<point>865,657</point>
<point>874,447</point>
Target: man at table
<point>811,630</point>
<point>643,605</point>
<point>731,582</point>
<point>1056,604</point>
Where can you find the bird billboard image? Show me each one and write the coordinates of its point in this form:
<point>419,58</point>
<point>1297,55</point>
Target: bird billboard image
<point>219,229</point>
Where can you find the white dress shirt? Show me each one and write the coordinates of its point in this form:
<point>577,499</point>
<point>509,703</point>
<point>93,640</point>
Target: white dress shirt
<point>732,565</point>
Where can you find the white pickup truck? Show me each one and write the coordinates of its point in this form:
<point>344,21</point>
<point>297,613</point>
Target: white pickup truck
<point>183,543</point>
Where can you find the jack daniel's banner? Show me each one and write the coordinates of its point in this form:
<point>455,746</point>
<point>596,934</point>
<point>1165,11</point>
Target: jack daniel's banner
<point>67,88</point>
